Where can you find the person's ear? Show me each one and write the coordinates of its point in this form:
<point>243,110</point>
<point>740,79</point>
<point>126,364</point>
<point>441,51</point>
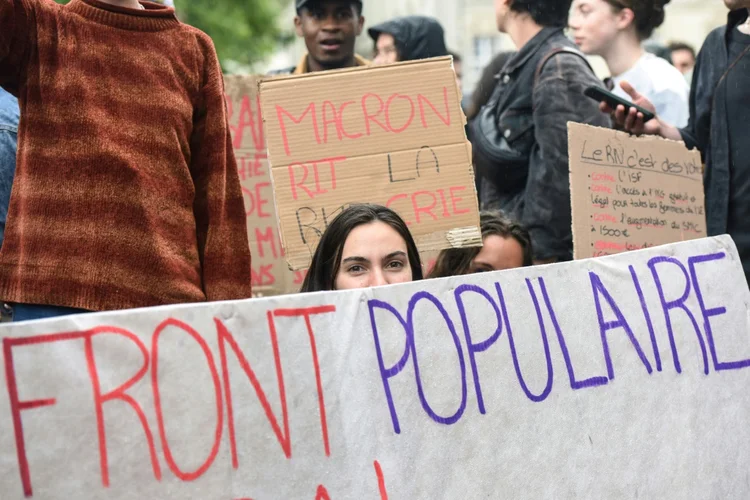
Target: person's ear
<point>298,26</point>
<point>360,25</point>
<point>625,18</point>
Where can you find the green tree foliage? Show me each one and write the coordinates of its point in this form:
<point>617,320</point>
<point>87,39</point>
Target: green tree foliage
<point>243,31</point>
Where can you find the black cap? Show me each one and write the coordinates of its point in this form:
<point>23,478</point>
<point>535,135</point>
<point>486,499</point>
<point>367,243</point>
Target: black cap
<point>302,3</point>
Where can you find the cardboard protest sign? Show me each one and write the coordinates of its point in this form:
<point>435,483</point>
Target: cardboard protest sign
<point>616,377</point>
<point>629,193</point>
<point>392,135</point>
<point>270,273</point>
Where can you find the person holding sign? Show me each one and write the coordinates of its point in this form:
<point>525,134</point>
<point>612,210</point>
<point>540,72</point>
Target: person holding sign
<point>126,191</point>
<point>615,30</point>
<point>364,246</point>
<point>505,245</point>
<point>520,137</point>
<point>719,107</point>
<point>330,29</point>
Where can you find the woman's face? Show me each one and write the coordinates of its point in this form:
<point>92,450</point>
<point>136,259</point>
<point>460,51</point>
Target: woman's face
<point>594,25</point>
<point>385,49</point>
<point>374,254</point>
<point>498,253</point>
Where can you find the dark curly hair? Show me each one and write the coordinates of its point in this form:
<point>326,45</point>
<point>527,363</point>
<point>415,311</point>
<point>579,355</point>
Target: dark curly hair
<point>545,13</point>
<point>648,14</point>
<point>457,261</point>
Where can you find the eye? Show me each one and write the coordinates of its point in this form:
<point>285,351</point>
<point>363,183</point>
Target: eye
<point>356,269</point>
<point>396,264</point>
<point>344,14</point>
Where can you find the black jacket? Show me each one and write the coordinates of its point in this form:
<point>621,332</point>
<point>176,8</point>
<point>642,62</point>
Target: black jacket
<point>416,37</point>
<point>708,130</point>
<point>533,118</point>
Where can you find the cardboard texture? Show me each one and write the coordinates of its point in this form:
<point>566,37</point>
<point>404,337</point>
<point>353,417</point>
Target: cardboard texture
<point>392,135</point>
<point>629,193</point>
<point>618,377</point>
<point>270,272</point>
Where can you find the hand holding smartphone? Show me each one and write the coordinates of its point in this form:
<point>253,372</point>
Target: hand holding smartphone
<point>601,95</point>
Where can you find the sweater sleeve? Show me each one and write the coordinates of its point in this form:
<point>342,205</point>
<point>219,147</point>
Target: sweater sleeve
<point>219,206</point>
<point>15,33</point>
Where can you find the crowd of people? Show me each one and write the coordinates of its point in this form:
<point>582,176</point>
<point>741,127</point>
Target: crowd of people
<point>119,187</point>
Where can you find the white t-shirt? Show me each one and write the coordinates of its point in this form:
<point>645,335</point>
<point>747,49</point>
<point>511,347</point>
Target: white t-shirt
<point>662,84</point>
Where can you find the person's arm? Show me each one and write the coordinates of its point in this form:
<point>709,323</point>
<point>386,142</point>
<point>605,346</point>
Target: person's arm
<point>219,207</point>
<point>15,28</point>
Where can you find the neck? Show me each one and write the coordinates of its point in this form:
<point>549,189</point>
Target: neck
<point>521,29</point>
<point>130,4</point>
<point>623,54</point>
<point>314,66</point>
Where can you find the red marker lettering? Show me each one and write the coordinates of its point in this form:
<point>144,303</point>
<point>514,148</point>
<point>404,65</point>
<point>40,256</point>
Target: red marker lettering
<point>120,393</point>
<point>341,120</point>
<point>335,120</point>
<point>281,112</point>
<point>371,118</point>
<point>307,312</point>
<point>410,116</point>
<point>422,100</point>
<point>226,338</point>
<point>456,200</point>
<point>301,183</point>
<point>185,476</point>
<point>427,210</point>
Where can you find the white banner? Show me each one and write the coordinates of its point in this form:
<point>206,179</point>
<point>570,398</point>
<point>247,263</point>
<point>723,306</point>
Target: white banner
<point>620,377</point>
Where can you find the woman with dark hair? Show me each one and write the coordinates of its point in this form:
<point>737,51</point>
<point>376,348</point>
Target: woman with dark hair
<point>364,246</point>
<point>616,30</point>
<point>505,245</point>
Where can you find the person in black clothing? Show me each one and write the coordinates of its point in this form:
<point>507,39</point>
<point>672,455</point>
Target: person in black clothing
<point>520,136</point>
<point>407,38</point>
<point>719,110</point>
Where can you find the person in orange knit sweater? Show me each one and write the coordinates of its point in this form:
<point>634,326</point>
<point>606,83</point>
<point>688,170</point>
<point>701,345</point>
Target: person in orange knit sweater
<point>126,191</point>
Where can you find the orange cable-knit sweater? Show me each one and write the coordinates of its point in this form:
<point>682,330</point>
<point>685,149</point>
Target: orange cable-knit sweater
<point>126,191</point>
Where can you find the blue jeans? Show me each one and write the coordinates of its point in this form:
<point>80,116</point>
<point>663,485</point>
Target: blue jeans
<point>8,142</point>
<point>28,312</point>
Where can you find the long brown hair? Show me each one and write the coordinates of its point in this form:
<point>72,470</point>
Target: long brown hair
<point>327,258</point>
<point>457,261</point>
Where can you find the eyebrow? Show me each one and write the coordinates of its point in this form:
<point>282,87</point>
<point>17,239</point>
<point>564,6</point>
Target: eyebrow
<point>363,260</point>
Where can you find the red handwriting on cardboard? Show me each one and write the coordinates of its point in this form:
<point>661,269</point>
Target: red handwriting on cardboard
<point>151,362</point>
<point>249,117</point>
<point>432,205</point>
<point>372,112</point>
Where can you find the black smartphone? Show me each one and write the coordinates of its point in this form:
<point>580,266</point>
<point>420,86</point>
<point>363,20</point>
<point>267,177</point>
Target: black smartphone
<point>601,95</point>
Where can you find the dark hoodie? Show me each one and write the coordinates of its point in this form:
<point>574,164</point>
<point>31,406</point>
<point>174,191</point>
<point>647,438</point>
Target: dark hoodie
<point>416,37</point>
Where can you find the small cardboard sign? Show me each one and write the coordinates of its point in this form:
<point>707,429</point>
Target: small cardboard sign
<point>270,273</point>
<point>630,193</point>
<point>392,135</point>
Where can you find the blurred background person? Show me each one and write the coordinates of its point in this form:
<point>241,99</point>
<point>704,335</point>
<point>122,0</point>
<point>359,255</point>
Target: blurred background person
<point>683,58</point>
<point>364,246</point>
<point>615,30</point>
<point>406,39</point>
<point>505,245</point>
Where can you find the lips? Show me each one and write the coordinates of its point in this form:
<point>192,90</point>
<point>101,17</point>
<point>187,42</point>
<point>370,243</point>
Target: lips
<point>330,44</point>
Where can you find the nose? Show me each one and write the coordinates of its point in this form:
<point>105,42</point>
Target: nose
<point>330,24</point>
<point>378,278</point>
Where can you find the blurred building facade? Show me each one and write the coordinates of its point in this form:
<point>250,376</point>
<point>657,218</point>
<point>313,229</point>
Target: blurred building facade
<point>470,29</point>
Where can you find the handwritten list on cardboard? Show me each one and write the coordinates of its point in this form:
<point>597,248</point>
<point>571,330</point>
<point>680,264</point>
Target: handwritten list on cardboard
<point>391,135</point>
<point>631,193</point>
